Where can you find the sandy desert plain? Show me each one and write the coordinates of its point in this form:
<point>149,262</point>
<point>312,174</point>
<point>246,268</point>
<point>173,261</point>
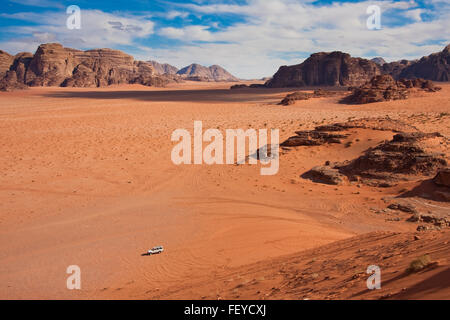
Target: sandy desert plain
<point>86,179</point>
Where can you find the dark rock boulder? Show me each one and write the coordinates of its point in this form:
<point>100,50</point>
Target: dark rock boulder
<point>326,175</point>
<point>443,178</point>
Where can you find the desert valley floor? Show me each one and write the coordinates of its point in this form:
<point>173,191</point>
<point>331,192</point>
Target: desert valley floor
<point>86,179</point>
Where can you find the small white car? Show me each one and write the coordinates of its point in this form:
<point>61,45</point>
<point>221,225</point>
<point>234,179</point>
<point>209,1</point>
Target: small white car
<point>155,250</point>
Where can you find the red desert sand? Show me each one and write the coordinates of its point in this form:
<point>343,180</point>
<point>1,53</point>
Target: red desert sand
<point>86,179</point>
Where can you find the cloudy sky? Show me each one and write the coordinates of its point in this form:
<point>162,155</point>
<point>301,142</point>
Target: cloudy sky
<point>250,38</point>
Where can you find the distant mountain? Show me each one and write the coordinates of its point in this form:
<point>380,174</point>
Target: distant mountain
<point>200,73</point>
<point>378,60</point>
<point>163,68</point>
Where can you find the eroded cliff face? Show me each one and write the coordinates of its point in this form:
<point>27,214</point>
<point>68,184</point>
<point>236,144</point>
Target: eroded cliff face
<point>5,62</point>
<point>434,67</point>
<point>326,69</point>
<point>54,65</point>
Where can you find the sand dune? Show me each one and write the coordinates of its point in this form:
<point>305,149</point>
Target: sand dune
<point>87,180</point>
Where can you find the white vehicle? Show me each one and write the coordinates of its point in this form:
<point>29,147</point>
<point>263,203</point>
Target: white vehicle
<point>155,250</point>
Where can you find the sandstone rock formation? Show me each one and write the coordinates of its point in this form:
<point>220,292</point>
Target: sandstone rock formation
<point>380,88</point>
<point>5,62</point>
<point>407,154</point>
<point>385,88</point>
<point>12,76</point>
<point>326,69</point>
<point>9,82</point>
<point>326,175</point>
<point>434,67</point>
<point>54,65</point>
<point>196,72</point>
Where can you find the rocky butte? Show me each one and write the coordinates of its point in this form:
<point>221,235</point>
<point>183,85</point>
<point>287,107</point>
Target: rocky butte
<point>54,65</point>
<point>326,69</point>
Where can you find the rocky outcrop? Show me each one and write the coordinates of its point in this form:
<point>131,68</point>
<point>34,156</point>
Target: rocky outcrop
<point>313,138</point>
<point>407,154</point>
<point>13,78</point>
<point>5,62</point>
<point>326,69</point>
<point>385,88</point>
<point>196,72</point>
<point>292,98</point>
<point>9,82</point>
<point>434,67</point>
<point>441,222</point>
<point>326,175</point>
<point>54,65</point>
<point>21,64</point>
<point>380,88</point>
<point>410,155</point>
<point>163,68</point>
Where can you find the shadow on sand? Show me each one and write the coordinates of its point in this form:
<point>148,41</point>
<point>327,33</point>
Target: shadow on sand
<point>198,96</point>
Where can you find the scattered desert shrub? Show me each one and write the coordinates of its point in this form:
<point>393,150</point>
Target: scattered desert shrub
<point>419,263</point>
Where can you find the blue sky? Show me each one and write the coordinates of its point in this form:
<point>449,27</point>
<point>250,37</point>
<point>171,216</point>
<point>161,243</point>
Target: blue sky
<point>250,38</point>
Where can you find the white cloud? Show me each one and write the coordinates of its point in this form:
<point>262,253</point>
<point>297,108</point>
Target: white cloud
<point>39,3</point>
<point>269,33</point>
<point>98,29</point>
<point>273,30</point>
<point>176,14</point>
